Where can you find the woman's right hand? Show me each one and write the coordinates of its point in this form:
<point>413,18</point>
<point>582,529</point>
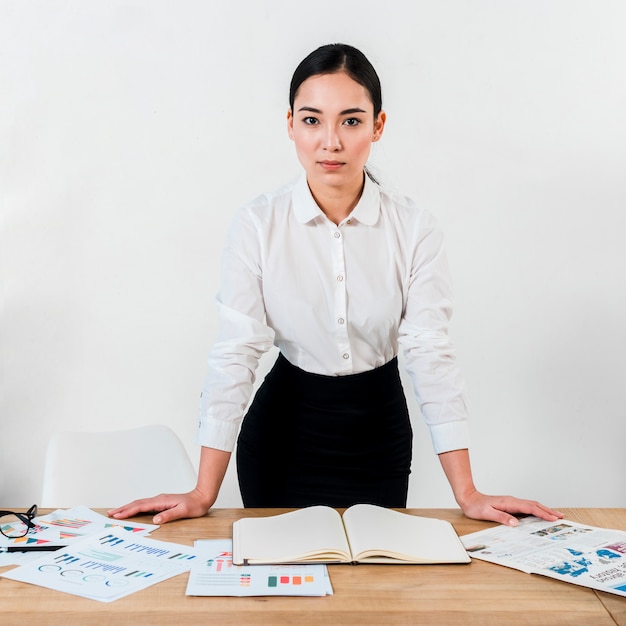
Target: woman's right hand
<point>171,506</point>
<point>168,507</point>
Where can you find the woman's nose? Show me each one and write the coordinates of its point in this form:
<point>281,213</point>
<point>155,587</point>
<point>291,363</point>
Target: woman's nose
<point>331,140</point>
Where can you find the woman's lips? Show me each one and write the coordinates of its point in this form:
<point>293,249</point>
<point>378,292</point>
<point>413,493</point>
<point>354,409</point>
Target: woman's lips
<point>331,165</point>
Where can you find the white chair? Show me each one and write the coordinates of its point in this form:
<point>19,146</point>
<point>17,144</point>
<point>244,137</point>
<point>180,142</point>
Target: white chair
<point>107,469</point>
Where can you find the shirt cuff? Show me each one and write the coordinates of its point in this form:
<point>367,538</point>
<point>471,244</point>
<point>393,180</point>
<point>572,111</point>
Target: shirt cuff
<point>450,436</point>
<point>215,433</point>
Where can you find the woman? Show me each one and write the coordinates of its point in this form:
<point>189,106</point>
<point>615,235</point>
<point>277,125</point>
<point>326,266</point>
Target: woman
<point>338,273</point>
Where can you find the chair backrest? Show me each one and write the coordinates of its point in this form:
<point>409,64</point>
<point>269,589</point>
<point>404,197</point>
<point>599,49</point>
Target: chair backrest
<point>106,469</point>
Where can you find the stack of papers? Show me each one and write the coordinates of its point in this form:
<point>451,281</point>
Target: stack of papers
<point>64,527</point>
<point>575,553</point>
<point>106,566</point>
<point>213,574</point>
<point>105,559</point>
<point>99,558</point>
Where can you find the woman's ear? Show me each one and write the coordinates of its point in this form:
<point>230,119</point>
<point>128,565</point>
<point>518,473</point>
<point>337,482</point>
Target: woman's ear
<point>290,124</point>
<point>379,126</point>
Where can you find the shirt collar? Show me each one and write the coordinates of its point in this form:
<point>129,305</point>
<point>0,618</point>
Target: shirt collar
<point>366,211</point>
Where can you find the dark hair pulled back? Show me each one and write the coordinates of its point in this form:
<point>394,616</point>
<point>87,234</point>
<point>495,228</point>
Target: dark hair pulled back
<point>339,57</point>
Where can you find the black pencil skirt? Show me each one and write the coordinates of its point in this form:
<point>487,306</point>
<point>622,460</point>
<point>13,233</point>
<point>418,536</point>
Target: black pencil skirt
<point>335,440</point>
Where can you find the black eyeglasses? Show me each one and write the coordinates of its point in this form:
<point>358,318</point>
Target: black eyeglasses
<point>15,525</point>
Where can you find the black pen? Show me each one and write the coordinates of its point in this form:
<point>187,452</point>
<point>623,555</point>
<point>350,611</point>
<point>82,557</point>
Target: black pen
<point>41,548</point>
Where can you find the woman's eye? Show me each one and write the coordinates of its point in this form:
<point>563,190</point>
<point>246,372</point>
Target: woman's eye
<point>310,120</point>
<point>352,121</point>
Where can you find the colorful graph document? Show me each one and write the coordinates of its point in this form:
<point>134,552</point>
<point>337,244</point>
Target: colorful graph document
<point>64,527</point>
<point>106,566</point>
<point>80,521</point>
<point>213,574</point>
<point>583,555</point>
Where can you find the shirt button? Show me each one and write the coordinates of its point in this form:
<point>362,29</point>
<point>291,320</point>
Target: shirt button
<point>346,356</point>
<point>349,222</point>
<point>337,234</point>
<point>340,320</point>
<point>340,278</point>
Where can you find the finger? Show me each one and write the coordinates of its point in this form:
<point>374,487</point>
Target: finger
<point>539,510</point>
<point>169,515</point>
<point>502,517</point>
<point>547,513</point>
<point>551,512</point>
<point>146,505</point>
<point>527,507</point>
<point>122,512</point>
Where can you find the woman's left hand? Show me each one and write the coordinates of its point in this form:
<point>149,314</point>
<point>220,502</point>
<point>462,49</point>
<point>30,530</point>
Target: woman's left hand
<point>477,505</point>
<point>502,509</point>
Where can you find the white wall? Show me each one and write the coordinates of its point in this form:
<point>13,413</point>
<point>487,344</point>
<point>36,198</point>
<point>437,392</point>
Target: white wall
<point>130,131</point>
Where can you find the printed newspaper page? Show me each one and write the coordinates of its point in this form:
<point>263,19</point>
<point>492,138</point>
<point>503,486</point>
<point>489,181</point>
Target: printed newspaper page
<point>575,553</point>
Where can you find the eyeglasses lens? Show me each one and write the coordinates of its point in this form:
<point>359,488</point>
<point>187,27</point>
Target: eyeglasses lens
<point>12,526</point>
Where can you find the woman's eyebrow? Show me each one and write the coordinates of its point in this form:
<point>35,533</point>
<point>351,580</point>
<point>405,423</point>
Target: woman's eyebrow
<point>345,112</point>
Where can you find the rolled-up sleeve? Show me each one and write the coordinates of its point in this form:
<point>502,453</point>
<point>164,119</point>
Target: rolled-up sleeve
<point>429,352</point>
<point>243,337</point>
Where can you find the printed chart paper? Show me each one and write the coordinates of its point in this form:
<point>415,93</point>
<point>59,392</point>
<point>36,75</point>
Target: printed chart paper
<point>575,553</point>
<point>80,521</point>
<point>213,574</point>
<point>63,527</point>
<point>106,566</point>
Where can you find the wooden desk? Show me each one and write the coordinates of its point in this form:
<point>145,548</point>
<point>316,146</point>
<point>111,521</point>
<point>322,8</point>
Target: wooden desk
<point>479,593</point>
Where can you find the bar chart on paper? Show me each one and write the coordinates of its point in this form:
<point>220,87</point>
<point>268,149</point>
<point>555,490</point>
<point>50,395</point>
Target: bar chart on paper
<point>69,522</point>
<point>215,575</point>
<point>80,521</point>
<point>106,566</point>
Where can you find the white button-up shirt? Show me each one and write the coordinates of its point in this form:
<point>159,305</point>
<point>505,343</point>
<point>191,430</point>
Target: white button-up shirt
<point>336,300</point>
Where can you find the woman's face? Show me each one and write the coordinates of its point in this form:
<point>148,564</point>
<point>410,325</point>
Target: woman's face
<point>333,127</point>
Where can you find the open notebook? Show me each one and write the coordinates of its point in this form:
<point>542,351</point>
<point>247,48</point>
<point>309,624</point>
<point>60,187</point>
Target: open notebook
<point>364,534</point>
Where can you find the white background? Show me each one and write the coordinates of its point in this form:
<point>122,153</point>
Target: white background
<point>130,131</point>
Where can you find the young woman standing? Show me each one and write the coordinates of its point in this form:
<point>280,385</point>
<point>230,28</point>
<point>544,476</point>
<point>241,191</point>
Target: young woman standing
<point>340,274</point>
